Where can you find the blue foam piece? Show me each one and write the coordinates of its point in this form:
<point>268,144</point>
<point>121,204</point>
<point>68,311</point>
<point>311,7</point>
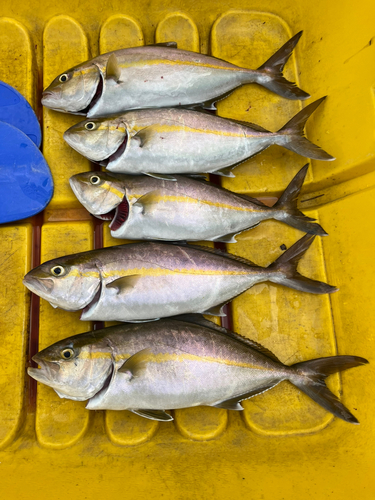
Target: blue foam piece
<point>14,109</point>
<point>26,184</point>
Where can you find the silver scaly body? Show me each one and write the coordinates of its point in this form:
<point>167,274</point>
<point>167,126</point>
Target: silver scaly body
<point>143,281</point>
<point>177,363</point>
<point>157,76</point>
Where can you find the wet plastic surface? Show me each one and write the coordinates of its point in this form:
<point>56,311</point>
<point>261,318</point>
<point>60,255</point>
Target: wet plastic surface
<point>282,445</point>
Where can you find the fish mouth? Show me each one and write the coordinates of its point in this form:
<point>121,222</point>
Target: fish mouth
<point>118,215</point>
<point>46,93</point>
<point>38,285</point>
<point>117,154</point>
<point>47,371</point>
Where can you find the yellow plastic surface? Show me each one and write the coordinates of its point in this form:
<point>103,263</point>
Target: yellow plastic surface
<point>283,445</point>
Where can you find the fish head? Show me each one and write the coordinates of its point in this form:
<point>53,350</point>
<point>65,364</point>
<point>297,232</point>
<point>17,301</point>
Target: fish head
<point>98,139</point>
<point>74,90</point>
<point>76,368</point>
<point>70,282</point>
<point>99,192</point>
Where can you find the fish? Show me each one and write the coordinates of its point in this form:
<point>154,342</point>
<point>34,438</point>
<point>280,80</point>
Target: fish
<point>179,362</point>
<point>151,280</point>
<point>170,141</point>
<point>160,75</point>
<point>146,208</point>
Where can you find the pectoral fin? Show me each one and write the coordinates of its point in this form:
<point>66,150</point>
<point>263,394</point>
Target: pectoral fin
<point>154,415</point>
<point>113,71</point>
<point>235,403</point>
<point>125,283</point>
<point>136,364</point>
<point>146,203</point>
<point>144,135</point>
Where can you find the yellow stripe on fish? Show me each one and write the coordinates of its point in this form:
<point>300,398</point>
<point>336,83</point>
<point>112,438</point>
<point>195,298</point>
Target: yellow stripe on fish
<point>148,271</point>
<point>95,355</point>
<point>168,357</point>
<point>162,128</point>
<point>188,199</point>
<point>161,62</point>
<point>184,356</point>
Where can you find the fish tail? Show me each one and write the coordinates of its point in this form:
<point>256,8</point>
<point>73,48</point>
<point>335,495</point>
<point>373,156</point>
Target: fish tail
<point>292,135</point>
<point>286,207</point>
<point>284,270</point>
<point>309,377</point>
<point>270,74</point>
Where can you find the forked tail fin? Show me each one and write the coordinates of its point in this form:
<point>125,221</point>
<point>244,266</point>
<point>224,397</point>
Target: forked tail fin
<point>286,207</point>
<point>295,139</point>
<point>271,72</point>
<point>284,269</point>
<point>311,382</point>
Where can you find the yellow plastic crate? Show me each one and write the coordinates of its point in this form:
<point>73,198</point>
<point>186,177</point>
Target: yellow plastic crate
<point>283,445</point>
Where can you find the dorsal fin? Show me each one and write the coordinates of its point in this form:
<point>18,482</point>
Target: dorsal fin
<point>218,252</point>
<point>171,45</point>
<point>198,319</point>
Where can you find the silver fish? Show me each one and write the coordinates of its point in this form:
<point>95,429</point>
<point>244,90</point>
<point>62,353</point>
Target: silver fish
<point>168,141</point>
<point>143,281</point>
<point>160,75</point>
<point>143,207</point>
<point>177,363</point>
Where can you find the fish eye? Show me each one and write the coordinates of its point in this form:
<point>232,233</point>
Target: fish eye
<point>95,179</point>
<point>58,271</point>
<point>67,353</point>
<point>63,78</point>
<point>90,126</point>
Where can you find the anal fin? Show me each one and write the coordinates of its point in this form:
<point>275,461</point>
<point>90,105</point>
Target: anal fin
<point>235,403</point>
<point>160,415</point>
<point>216,310</point>
<point>225,172</point>
<point>231,237</point>
<point>164,177</point>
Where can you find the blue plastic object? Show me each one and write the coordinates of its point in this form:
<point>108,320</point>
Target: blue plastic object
<point>14,109</point>
<point>26,184</point>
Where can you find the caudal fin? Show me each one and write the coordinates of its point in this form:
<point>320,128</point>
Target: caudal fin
<point>310,379</point>
<point>271,72</point>
<point>284,269</point>
<point>293,138</point>
<point>286,207</point>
